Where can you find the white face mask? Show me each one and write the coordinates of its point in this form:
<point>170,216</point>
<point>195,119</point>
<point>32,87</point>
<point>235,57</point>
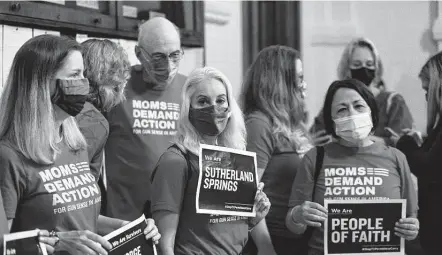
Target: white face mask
<point>354,128</point>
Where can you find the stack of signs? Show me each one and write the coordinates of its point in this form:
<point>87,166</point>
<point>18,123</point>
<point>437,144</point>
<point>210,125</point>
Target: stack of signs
<point>23,243</point>
<point>130,239</point>
<point>363,227</point>
<point>227,182</point>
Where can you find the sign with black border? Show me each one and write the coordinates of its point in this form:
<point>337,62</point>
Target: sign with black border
<point>130,239</point>
<point>363,227</point>
<point>23,243</point>
<point>227,181</point>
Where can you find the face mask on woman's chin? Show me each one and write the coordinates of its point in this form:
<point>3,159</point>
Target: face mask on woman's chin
<point>355,128</point>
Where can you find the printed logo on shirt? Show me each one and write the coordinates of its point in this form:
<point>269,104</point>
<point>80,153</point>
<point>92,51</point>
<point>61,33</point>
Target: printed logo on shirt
<point>155,117</point>
<point>72,186</point>
<point>215,218</point>
<point>354,182</point>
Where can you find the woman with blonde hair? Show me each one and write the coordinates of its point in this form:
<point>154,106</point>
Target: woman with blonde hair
<point>360,60</point>
<point>45,178</point>
<point>273,102</point>
<point>424,158</point>
<point>107,67</point>
<point>209,115</point>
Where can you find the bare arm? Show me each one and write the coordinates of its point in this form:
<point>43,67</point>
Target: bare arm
<point>260,140</point>
<point>10,224</point>
<point>261,237</point>
<point>260,173</point>
<point>167,223</point>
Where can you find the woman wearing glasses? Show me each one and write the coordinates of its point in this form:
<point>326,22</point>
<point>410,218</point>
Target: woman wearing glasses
<point>273,103</point>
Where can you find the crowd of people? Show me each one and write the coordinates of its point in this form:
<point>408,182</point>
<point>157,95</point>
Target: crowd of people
<point>80,125</point>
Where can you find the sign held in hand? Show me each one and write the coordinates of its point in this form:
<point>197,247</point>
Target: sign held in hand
<point>363,227</point>
<point>130,239</point>
<point>227,182</point>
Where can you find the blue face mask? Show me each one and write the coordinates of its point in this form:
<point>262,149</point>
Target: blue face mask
<point>71,95</point>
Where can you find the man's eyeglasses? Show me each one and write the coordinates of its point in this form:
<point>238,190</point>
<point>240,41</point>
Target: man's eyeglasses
<point>162,58</point>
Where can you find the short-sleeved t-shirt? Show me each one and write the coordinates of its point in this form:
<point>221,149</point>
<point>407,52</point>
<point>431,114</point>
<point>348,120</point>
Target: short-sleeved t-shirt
<point>280,161</point>
<point>174,186</point>
<point>63,196</point>
<point>3,221</point>
<point>141,129</point>
<point>373,172</point>
<point>95,129</point>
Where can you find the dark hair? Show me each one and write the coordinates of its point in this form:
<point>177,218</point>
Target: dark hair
<point>271,87</point>
<point>432,72</point>
<point>362,90</point>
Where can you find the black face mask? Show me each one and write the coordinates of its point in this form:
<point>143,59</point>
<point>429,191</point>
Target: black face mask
<point>71,95</point>
<point>209,120</point>
<point>363,74</point>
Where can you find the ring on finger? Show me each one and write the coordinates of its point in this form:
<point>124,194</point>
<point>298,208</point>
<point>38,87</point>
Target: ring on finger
<point>55,235</point>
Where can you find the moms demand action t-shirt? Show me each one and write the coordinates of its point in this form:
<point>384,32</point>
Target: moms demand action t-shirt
<point>174,187</point>
<point>141,129</point>
<point>372,172</point>
<point>63,196</point>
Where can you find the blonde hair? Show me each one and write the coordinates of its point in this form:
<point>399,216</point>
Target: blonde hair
<point>233,136</point>
<point>107,68</point>
<point>271,86</point>
<point>344,64</point>
<point>432,72</point>
<point>26,109</point>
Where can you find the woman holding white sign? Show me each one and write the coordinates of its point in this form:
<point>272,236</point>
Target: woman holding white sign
<point>209,115</point>
<point>354,167</point>
<point>45,178</point>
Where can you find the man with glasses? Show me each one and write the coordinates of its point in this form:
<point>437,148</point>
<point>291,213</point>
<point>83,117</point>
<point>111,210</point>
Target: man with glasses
<point>142,127</point>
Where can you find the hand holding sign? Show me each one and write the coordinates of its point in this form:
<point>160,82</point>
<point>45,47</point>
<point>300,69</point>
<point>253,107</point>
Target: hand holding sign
<point>74,241</point>
<point>134,238</point>
<point>407,228</point>
<point>227,182</point>
<point>262,205</point>
<point>311,214</point>
<point>49,242</point>
<point>151,230</point>
<point>366,226</point>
